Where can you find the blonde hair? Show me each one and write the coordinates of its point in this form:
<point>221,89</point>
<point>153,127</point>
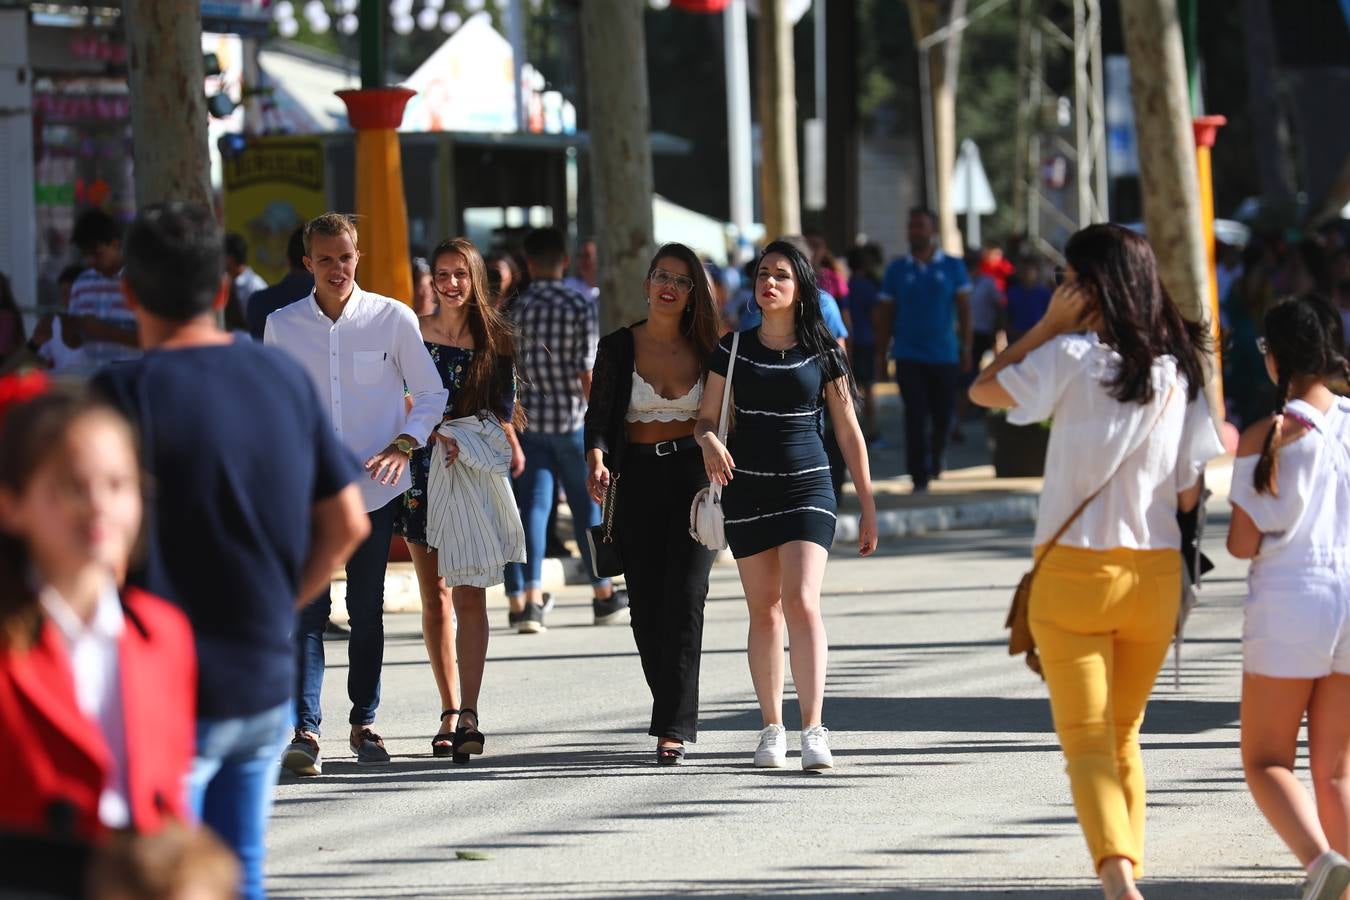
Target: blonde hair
<point>330,224</point>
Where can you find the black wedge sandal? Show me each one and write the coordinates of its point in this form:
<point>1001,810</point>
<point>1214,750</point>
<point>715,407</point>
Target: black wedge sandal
<point>670,756</point>
<point>442,745</point>
<point>468,741</point>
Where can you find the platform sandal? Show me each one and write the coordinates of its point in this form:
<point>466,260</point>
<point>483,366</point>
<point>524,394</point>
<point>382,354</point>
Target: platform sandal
<point>443,744</point>
<point>670,756</point>
<point>468,741</point>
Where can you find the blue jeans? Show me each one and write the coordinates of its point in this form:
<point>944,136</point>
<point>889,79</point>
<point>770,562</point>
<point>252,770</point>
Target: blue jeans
<point>231,785</point>
<point>549,457</point>
<point>365,646</point>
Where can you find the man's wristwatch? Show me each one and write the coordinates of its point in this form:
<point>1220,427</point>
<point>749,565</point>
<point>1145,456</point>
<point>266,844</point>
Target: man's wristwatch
<point>405,445</point>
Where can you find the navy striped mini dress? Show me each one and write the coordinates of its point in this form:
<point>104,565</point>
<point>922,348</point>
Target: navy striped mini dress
<point>781,488</point>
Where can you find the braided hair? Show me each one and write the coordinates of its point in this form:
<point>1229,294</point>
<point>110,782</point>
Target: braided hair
<point>1304,339</point>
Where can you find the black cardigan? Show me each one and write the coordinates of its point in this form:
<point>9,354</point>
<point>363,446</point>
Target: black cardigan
<point>611,389</point>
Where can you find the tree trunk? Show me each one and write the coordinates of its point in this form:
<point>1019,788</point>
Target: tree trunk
<point>779,181</point>
<point>615,53</point>
<point>168,101</point>
<point>1167,168</point>
<point>944,65</point>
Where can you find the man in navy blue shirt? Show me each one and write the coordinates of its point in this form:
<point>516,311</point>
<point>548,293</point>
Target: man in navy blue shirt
<point>297,285</point>
<point>925,304</point>
<point>255,505</point>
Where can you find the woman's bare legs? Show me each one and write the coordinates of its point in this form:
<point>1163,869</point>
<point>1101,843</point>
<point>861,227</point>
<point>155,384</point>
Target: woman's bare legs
<point>1329,750</point>
<point>1272,711</point>
<point>782,588</point>
<point>471,643</point>
<point>438,629</point>
<point>802,569</point>
<point>1117,877</point>
<point>761,581</point>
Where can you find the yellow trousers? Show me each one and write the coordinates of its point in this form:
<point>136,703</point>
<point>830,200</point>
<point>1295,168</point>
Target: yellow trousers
<point>1103,620</point>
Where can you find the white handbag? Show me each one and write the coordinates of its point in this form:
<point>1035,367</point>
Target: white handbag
<point>705,514</point>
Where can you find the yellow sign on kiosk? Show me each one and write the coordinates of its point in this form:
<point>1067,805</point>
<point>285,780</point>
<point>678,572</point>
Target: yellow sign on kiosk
<point>272,187</point>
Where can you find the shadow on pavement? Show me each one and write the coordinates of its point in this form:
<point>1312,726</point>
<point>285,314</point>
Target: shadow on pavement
<point>827,886</point>
<point>981,715</point>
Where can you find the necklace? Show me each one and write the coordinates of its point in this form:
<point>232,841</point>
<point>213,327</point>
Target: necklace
<point>791,336</point>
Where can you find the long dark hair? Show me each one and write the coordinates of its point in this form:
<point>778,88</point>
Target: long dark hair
<point>1139,320</point>
<point>812,333</point>
<point>699,320</point>
<point>494,282</point>
<point>34,420</point>
<point>492,336</point>
<point>1305,337</point>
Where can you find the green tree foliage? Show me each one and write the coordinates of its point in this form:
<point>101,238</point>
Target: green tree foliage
<point>986,101</point>
<point>986,108</point>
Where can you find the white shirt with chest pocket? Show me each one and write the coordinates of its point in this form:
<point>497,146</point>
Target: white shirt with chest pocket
<point>360,364</point>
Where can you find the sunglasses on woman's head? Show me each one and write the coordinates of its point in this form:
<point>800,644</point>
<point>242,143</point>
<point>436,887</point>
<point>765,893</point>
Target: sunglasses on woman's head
<point>682,283</point>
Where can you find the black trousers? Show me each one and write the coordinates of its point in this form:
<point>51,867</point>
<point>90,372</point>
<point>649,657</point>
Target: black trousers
<point>667,576</point>
<point>929,393</point>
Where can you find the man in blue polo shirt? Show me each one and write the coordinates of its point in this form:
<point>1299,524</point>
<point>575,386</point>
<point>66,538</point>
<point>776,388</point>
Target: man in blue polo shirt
<point>925,303</point>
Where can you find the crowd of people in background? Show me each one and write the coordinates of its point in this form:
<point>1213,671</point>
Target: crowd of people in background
<point>296,428</point>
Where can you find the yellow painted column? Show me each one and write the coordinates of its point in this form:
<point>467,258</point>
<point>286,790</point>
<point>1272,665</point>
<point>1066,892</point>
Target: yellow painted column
<point>1206,130</point>
<point>381,208</point>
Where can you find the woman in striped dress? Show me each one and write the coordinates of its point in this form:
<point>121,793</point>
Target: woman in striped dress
<point>778,499</point>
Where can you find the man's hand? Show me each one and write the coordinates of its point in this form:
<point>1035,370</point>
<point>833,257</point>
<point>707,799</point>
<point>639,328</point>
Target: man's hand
<point>387,466</point>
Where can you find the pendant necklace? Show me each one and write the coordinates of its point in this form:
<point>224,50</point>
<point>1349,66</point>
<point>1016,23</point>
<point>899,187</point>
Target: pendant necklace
<point>782,354</point>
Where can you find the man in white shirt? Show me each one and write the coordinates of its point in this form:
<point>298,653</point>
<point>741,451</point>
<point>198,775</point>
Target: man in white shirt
<point>360,349</point>
<point>246,281</point>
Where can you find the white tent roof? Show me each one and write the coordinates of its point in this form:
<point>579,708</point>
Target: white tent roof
<point>468,84</point>
<point>704,235</point>
<point>305,91</point>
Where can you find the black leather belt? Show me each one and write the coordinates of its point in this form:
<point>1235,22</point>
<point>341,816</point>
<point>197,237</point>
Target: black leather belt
<point>664,448</point>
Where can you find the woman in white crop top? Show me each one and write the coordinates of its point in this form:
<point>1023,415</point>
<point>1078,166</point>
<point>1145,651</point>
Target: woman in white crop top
<point>1290,495</point>
<point>1119,373</point>
<point>645,394</point>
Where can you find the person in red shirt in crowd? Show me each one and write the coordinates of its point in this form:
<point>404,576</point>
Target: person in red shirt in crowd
<point>97,684</point>
<point>994,264</point>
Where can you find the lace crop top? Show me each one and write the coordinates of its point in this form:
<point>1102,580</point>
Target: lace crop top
<point>646,405</point>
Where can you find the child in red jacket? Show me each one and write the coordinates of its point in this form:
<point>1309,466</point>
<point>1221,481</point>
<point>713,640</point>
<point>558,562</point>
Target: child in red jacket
<point>97,685</point>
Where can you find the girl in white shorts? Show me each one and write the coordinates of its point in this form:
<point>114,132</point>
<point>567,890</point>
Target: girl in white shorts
<point>1291,517</point>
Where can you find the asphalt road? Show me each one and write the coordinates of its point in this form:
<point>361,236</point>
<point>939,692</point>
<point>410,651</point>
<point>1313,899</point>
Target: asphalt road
<point>949,782</point>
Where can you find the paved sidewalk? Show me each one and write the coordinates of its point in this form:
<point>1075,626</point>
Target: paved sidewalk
<point>950,782</point>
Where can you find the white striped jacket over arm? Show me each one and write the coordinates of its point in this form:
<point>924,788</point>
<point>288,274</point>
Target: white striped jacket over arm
<point>472,519</point>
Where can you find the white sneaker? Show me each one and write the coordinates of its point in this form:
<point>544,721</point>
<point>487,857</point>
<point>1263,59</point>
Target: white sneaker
<point>816,748</point>
<point>772,750</point>
<point>1328,878</point>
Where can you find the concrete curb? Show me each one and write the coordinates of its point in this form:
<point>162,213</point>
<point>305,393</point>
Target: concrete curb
<point>900,523</point>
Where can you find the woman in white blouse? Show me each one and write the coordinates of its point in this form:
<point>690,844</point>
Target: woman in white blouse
<point>1119,372</point>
